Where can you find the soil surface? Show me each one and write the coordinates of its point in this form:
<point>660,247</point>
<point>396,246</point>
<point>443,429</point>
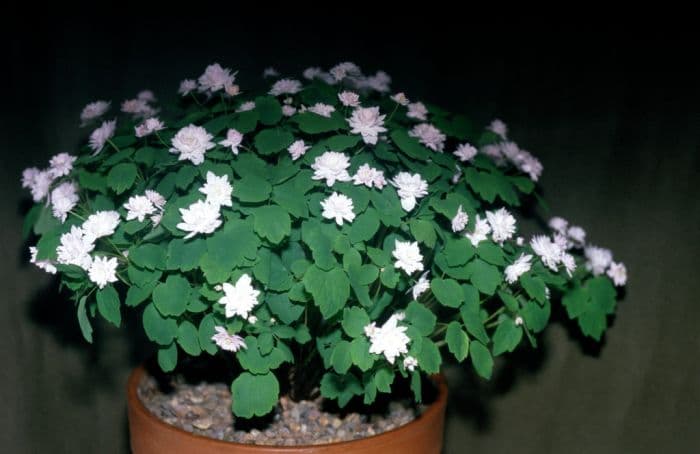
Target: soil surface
<point>205,409</point>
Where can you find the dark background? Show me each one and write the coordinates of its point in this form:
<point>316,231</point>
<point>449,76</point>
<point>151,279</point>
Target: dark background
<point>611,112</point>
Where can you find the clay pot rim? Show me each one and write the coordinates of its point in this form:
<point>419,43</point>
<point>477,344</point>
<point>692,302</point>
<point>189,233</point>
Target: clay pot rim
<point>136,405</point>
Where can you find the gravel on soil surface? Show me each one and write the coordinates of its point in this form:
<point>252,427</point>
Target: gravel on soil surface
<point>205,409</point>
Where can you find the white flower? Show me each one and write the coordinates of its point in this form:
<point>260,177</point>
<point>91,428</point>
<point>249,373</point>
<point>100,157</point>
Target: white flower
<point>367,122</point>
<point>297,149</point>
<point>379,82</point>
<point>345,69</point>
<point>103,271</point>
<point>618,273</point>
<point>101,135</point>
<point>215,78</point>
<point>200,217</point>
<point>45,265</point>
<point>457,175</point>
<point>521,266</point>
<point>93,110</point>
<point>410,363</point>
<point>191,142</point>
<point>389,340</point>
<point>75,249</point>
<point>338,207</point>
<point>369,176</point>
<point>331,166</point>
<point>241,298</point>
<point>499,128</point>
<point>409,188</point>
<point>138,108</point>
<point>312,73</point>
<point>520,241</point>
<point>155,198</point>
<point>349,99</point>
<point>408,256</point>
<point>518,321</point>
<point>481,231</point>
<point>465,152</point>
<point>493,151</point>
<point>569,263</point>
<point>226,341</point>
<point>549,252</point>
<point>148,127</point>
<point>61,164</point>
<point>577,235</point>
<point>246,106</point>
<point>138,207</point>
<point>270,72</point>
<point>324,110</point>
<point>562,241</point>
<point>421,285</point>
<point>100,224</point>
<point>63,199</point>
<point>232,90</point>
<point>598,259</point>
<point>233,140</point>
<point>400,98</point>
<point>558,224</point>
<point>252,319</point>
<point>146,95</point>
<point>502,224</point>
<point>285,87</point>
<point>187,86</point>
<point>429,135</point>
<point>28,176</point>
<point>218,190</point>
<point>39,183</point>
<point>459,222</point>
<point>288,110</point>
<point>418,111</point>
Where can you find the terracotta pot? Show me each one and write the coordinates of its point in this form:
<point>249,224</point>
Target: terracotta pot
<point>150,435</point>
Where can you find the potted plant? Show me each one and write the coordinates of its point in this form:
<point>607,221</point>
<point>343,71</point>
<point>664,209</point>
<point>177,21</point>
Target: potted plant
<point>323,237</point>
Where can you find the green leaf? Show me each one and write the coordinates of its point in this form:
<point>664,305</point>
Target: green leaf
<point>458,252</point>
<point>481,359</point>
<point>185,254</point>
<point>421,318</point>
<point>330,289</point>
<point>491,253</point>
<point>423,231</point>
<point>354,321</point>
<point>312,123</point>
<point>188,338</point>
<point>185,176</point>
<point>383,378</point>
<point>535,315</point>
<point>409,145</point>
<point>280,305</point>
<point>171,296</point>
<point>509,300</point>
<point>359,353</point>
<point>364,226</point>
<point>342,142</point>
<point>289,197</point>
<point>205,333</point>
<point>388,206</point>
<point>416,387</point>
<point>227,249</point>
<point>252,189</point>
<point>122,176</point>
<point>141,277</point>
<point>84,321</point>
<point>149,256</point>
<point>340,387</point>
<point>159,329</point>
<point>484,276</point>
<point>507,336</point>
<point>447,291</point>
<point>534,286</point>
<point>429,358</point>
<point>271,271</point>
<point>137,295</point>
<point>255,361</point>
<point>472,320</point>
<point>457,341</point>
<point>389,276</point>
<point>269,110</point>
<point>108,305</point>
<point>340,358</point>
<point>270,141</point>
<point>272,222</point>
<point>167,358</point>
<point>254,395</point>
<point>602,293</point>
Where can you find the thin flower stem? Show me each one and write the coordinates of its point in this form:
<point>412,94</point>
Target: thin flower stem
<point>396,106</point>
<point>196,100</point>
<point>109,141</point>
<point>496,314</point>
<point>161,140</point>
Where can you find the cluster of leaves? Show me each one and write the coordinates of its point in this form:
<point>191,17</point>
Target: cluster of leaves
<point>321,283</point>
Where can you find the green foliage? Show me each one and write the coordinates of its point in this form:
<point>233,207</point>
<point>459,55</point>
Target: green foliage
<point>316,285</point>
